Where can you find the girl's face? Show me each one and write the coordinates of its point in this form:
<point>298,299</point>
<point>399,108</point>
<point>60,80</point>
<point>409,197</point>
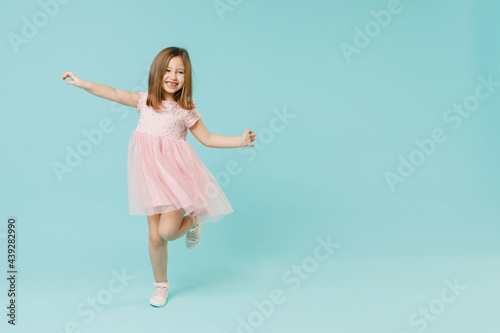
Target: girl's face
<point>173,79</point>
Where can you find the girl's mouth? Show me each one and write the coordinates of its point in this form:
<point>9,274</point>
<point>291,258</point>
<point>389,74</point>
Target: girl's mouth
<point>172,84</point>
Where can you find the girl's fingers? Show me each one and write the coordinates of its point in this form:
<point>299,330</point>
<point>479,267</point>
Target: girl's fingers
<point>71,75</point>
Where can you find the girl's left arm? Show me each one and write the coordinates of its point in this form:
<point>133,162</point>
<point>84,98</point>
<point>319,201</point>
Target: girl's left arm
<point>202,134</point>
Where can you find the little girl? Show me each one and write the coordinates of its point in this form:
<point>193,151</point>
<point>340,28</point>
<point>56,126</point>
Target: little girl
<point>166,178</point>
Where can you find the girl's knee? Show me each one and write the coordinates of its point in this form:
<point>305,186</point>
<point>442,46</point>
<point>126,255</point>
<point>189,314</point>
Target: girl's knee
<point>156,240</point>
<point>168,228</point>
<point>167,234</point>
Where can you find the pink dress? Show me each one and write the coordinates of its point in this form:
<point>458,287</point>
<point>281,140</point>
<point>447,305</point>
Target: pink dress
<point>164,172</point>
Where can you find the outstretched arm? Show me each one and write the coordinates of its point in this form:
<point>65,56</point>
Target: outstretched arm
<point>116,95</point>
<point>208,139</point>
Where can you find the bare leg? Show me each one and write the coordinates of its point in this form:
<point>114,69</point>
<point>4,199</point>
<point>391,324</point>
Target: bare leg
<point>186,224</point>
<point>174,224</point>
<point>157,250</point>
<point>163,228</point>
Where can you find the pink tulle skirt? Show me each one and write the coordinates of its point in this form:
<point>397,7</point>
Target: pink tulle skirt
<point>165,175</point>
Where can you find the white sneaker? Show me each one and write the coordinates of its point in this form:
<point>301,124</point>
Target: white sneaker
<point>159,297</point>
<point>193,236</point>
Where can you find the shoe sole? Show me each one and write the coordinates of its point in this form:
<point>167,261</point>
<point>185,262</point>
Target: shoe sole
<point>157,306</point>
<point>192,248</point>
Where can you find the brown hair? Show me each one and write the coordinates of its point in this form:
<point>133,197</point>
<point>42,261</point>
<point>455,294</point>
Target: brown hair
<point>156,94</point>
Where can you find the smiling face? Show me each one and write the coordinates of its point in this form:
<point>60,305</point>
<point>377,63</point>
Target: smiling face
<point>173,80</point>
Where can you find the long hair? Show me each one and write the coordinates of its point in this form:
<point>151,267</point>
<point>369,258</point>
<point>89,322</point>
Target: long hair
<point>156,94</point>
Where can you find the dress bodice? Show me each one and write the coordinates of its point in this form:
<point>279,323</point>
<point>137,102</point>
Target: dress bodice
<point>171,121</point>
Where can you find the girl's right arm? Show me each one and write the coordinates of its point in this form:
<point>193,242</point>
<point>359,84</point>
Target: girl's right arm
<point>116,95</point>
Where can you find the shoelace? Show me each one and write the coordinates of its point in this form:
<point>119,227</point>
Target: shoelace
<point>160,291</point>
<point>191,234</point>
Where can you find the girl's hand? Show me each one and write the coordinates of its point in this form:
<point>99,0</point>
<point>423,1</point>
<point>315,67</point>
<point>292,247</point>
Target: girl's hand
<point>77,82</point>
<point>247,139</point>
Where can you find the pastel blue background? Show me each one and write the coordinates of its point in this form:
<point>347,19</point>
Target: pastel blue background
<point>321,176</point>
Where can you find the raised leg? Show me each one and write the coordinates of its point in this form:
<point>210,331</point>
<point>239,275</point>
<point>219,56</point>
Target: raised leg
<point>174,224</point>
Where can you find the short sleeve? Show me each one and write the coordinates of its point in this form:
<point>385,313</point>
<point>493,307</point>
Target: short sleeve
<point>192,117</point>
<point>141,101</point>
